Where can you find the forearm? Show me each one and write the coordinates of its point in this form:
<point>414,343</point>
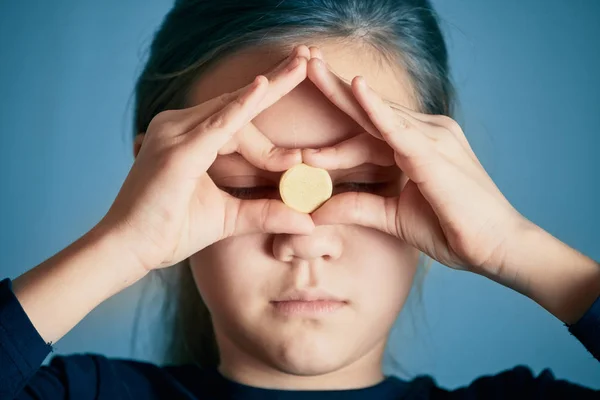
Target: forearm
<point>62,290</point>
<point>559,278</point>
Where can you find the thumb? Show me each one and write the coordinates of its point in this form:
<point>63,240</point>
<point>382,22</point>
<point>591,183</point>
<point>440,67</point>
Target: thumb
<point>360,208</point>
<point>264,216</point>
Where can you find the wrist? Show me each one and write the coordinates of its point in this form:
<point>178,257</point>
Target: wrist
<point>74,281</point>
<point>559,278</point>
<point>121,262</point>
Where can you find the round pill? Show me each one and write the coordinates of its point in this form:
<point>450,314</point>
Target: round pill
<point>305,188</point>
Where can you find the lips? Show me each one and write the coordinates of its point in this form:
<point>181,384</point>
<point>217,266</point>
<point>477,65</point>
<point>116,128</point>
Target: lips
<point>308,302</point>
<point>308,295</point>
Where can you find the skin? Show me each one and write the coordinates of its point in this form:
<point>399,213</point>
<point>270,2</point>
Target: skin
<point>169,209</point>
<point>239,276</point>
<point>443,203</point>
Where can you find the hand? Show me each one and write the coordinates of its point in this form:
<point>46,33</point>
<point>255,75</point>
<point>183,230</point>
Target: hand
<point>449,208</point>
<point>168,206</point>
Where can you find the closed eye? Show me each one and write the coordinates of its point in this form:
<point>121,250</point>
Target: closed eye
<point>272,192</point>
<point>252,192</point>
<point>370,187</point>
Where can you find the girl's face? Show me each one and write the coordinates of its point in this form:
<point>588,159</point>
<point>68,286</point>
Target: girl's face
<point>240,277</point>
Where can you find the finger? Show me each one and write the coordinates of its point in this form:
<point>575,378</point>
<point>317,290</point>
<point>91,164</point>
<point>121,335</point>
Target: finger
<point>444,125</point>
<point>264,216</point>
<point>339,93</point>
<point>205,140</point>
<point>298,51</point>
<point>303,51</point>
<point>400,131</point>
<point>255,147</point>
<point>218,124</point>
<point>252,143</point>
<point>271,74</point>
<point>315,52</point>
<point>213,133</point>
<point>178,122</point>
<point>360,208</point>
<point>360,149</point>
<point>284,77</point>
<point>285,81</point>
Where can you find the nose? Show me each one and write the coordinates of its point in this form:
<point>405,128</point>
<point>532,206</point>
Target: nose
<point>323,243</point>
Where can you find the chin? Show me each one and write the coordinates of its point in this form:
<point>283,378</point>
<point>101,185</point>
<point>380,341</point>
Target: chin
<point>305,366</point>
<point>305,356</point>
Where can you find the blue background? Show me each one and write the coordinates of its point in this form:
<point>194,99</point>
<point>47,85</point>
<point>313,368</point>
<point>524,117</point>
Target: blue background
<point>527,74</point>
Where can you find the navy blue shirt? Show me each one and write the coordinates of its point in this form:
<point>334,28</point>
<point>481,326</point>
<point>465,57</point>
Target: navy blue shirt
<point>93,376</point>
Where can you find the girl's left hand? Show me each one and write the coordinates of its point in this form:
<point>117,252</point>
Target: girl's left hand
<point>449,208</point>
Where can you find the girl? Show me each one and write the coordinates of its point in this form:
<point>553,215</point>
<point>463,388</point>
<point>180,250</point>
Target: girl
<point>273,303</point>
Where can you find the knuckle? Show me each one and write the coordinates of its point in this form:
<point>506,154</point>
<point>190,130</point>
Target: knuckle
<point>264,216</point>
<point>176,147</point>
<point>266,157</point>
<point>225,98</point>
<point>402,123</point>
<point>170,127</point>
<point>439,134</point>
<point>450,124</point>
<point>239,101</point>
<point>216,121</point>
<point>163,116</point>
<point>335,152</point>
<point>356,210</point>
<point>447,141</point>
<point>165,122</point>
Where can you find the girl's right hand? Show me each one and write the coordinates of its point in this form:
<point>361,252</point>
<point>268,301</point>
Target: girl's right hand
<point>169,208</point>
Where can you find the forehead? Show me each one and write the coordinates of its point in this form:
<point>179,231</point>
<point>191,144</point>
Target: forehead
<point>305,117</point>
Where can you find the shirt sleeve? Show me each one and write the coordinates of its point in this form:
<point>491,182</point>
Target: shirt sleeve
<point>517,383</point>
<point>75,376</point>
<point>521,382</point>
<point>587,329</point>
<point>22,349</point>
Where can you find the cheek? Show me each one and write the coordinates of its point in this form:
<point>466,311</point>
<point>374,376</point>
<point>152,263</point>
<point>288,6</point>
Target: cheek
<point>232,272</point>
<point>383,270</point>
<point>236,277</point>
<point>241,268</point>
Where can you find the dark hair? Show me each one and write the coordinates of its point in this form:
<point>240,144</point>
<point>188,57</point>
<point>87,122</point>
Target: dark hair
<point>197,33</point>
